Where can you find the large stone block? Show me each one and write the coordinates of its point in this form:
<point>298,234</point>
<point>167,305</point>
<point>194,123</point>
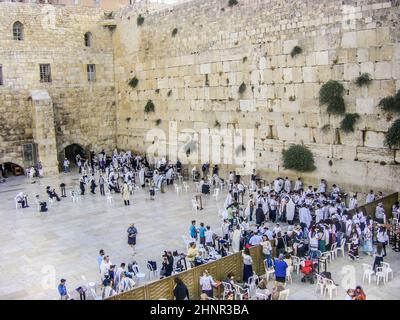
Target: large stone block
<point>374,139</point>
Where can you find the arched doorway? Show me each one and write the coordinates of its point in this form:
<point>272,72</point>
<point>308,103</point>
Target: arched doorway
<point>11,168</point>
<point>71,151</point>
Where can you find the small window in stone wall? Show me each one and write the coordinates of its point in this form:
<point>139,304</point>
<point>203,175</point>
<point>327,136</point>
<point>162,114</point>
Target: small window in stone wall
<point>88,39</point>
<point>1,75</point>
<point>18,31</point>
<point>45,72</point>
<point>91,72</point>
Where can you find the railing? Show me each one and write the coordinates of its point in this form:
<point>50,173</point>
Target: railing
<point>219,269</point>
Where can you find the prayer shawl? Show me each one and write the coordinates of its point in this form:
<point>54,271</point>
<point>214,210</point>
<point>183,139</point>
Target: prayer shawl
<point>141,176</point>
<point>236,241</point>
<point>290,208</point>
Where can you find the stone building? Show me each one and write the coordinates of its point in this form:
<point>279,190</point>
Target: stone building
<point>190,60</point>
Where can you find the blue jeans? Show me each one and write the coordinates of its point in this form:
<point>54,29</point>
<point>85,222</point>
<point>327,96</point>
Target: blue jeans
<point>314,254</point>
<point>269,260</point>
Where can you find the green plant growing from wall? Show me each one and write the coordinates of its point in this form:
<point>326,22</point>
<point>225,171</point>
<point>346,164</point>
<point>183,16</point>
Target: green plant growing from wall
<point>299,158</point>
<point>244,59</point>
<point>242,88</point>
<point>391,103</point>
<point>331,94</point>
<point>232,3</point>
<point>392,137</point>
<point>174,32</point>
<point>140,20</point>
<point>363,80</point>
<point>169,93</point>
<point>133,82</point>
<point>158,122</point>
<point>149,107</point>
<point>325,128</point>
<point>217,124</point>
<point>296,51</point>
<point>292,98</point>
<point>348,122</point>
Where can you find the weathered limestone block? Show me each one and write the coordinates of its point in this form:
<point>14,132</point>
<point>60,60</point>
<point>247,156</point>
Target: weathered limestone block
<point>374,139</point>
<point>375,154</point>
<point>383,70</point>
<point>349,40</point>
<point>351,71</point>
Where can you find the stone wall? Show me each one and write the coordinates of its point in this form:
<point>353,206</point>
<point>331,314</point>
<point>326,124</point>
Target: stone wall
<point>194,76</point>
<point>84,112</point>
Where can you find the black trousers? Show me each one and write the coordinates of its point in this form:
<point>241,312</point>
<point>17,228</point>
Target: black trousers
<point>102,190</point>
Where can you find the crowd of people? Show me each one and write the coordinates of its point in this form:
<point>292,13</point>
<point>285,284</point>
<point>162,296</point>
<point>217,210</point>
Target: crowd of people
<point>318,220</point>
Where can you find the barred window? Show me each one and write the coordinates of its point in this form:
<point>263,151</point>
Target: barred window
<point>1,75</point>
<point>91,72</point>
<point>45,73</point>
<point>18,31</point>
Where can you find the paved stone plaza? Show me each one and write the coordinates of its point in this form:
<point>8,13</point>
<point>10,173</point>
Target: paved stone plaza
<point>66,240</point>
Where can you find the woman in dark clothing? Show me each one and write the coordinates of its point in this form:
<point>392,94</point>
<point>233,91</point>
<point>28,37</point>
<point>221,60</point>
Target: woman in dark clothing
<point>132,233</point>
<point>181,292</point>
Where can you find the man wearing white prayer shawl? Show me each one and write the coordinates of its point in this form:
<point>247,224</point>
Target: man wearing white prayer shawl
<point>290,209</point>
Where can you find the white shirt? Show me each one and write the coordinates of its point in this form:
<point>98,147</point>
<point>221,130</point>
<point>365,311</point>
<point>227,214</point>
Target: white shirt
<point>207,282</point>
<point>209,236</point>
<point>370,198</point>
<point>255,240</point>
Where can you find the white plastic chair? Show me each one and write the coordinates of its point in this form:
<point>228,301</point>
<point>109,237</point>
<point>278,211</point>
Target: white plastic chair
<point>152,272</point>
<point>195,206</point>
<point>51,201</point>
<point>333,251</point>
<point>186,186</point>
<point>139,275</point>
<point>341,248</point>
<point>380,275</point>
<point>197,186</point>
<point>284,295</point>
<point>240,292</point>
<point>387,270</point>
<point>368,272</point>
<point>268,272</point>
<point>296,263</point>
<point>178,188</point>
<point>330,286</point>
<point>109,197</point>
<point>216,193</point>
<point>17,205</point>
<point>94,294</point>
<point>227,289</point>
<point>289,275</point>
<point>320,284</point>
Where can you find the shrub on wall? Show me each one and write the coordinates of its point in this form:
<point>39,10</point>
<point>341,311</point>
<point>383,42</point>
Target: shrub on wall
<point>158,122</point>
<point>299,158</point>
<point>391,104</point>
<point>348,122</point>
<point>149,107</point>
<point>392,137</point>
<point>140,20</point>
<point>295,51</point>
<point>232,3</point>
<point>174,32</point>
<point>363,80</point>
<point>331,94</point>
<point>133,82</point>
